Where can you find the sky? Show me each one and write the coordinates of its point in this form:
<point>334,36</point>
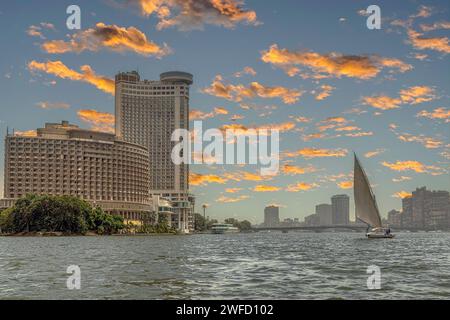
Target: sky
<point>312,69</point>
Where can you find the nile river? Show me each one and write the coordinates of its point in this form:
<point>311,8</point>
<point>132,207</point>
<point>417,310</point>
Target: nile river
<point>235,266</point>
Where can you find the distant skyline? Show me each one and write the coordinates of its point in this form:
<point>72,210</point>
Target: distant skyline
<point>312,69</point>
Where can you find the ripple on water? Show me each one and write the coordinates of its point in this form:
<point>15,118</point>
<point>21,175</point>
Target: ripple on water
<point>238,266</point>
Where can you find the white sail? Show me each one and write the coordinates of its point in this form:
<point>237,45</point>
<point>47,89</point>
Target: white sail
<point>366,208</point>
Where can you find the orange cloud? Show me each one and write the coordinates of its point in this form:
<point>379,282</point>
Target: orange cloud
<point>412,95</point>
<point>417,94</point>
<point>332,64</point>
<point>224,199</point>
<point>284,126</point>
<point>382,102</point>
<point>301,186</point>
<point>36,30</point>
<point>108,36</point>
<point>251,176</point>
<point>60,70</point>
<point>300,119</point>
<point>439,113</point>
<point>318,153</point>
<point>402,194</point>
<point>411,165</point>
<point>359,134</point>
<point>232,190</point>
<point>427,142</point>
<point>374,153</point>
<point>345,184</point>
<point>239,92</point>
<point>423,12</point>
<point>294,170</point>
<point>99,121</point>
<point>192,14</point>
<point>200,115</point>
<point>331,123</point>
<point>317,135</point>
<point>325,92</point>
<point>239,129</point>
<point>197,179</point>
<point>247,70</point>
<point>435,26</point>
<point>264,188</point>
<point>338,120</point>
<point>245,176</point>
<point>420,56</point>
<point>419,42</point>
<point>236,117</point>
<point>340,125</point>
<point>348,128</point>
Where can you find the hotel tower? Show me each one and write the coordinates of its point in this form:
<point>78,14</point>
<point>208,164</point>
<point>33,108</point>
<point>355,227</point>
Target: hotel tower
<point>147,113</point>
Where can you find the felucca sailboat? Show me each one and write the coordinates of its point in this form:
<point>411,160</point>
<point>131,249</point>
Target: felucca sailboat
<point>366,208</point>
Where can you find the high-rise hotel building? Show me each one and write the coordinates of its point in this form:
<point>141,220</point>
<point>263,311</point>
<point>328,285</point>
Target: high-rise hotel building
<point>62,159</point>
<point>147,113</point>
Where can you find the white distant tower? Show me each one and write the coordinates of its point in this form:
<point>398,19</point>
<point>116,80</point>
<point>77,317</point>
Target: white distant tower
<point>147,113</point>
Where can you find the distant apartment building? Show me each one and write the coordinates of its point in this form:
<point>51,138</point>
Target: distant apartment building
<point>439,212</point>
<point>271,216</point>
<point>312,220</point>
<point>62,159</point>
<point>340,209</point>
<point>406,217</point>
<point>426,209</point>
<point>324,213</point>
<point>394,218</point>
<point>289,222</point>
<point>147,113</point>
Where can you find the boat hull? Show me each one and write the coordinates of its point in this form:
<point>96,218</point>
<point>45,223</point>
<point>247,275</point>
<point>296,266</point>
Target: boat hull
<point>224,231</point>
<point>379,236</point>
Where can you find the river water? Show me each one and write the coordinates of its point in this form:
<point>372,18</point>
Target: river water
<point>235,266</point>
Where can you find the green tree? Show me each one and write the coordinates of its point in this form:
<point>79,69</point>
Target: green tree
<point>105,223</point>
<point>245,225</point>
<point>57,213</point>
<point>232,221</point>
<point>163,224</point>
<point>209,223</point>
<point>6,223</point>
<point>242,225</point>
<point>199,222</point>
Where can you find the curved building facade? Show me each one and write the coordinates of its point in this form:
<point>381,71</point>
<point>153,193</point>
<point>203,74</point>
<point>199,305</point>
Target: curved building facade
<point>62,159</point>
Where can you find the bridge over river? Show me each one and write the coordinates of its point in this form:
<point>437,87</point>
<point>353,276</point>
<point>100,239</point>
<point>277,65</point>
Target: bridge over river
<point>340,228</point>
<point>314,228</point>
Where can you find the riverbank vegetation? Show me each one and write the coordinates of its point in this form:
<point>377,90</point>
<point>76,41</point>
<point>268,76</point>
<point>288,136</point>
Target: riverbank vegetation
<point>59,214</point>
<point>161,227</point>
<point>202,224</point>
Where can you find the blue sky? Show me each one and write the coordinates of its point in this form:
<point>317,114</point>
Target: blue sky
<point>411,136</point>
